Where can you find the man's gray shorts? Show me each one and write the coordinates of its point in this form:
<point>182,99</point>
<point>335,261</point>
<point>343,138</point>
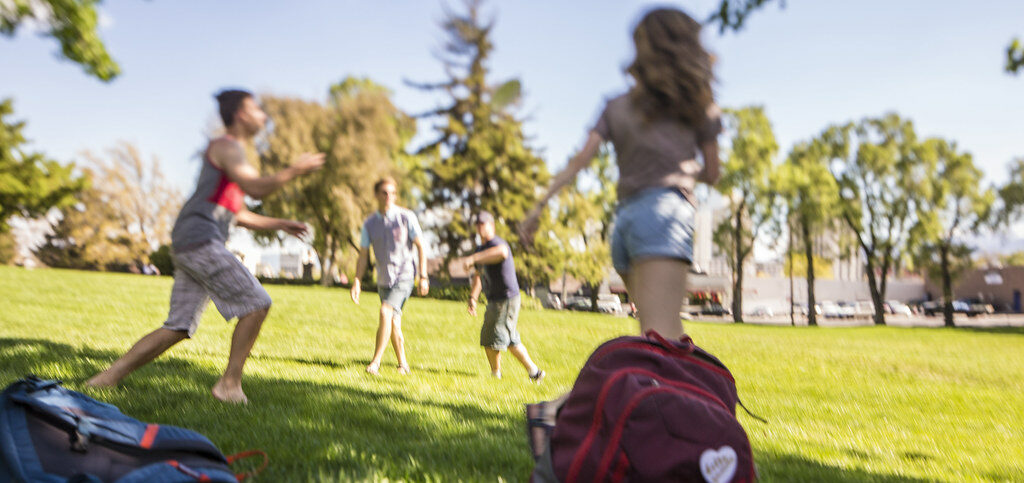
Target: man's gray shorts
<point>206,272</point>
<point>499,329</point>
<point>397,295</point>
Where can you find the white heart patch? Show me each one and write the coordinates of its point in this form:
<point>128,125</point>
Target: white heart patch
<point>718,466</point>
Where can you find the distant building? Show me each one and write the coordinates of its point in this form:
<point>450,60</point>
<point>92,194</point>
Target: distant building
<point>291,266</point>
<point>1000,286</point>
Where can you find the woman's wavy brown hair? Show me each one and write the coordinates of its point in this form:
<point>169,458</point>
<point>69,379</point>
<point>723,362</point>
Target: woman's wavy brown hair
<point>672,69</point>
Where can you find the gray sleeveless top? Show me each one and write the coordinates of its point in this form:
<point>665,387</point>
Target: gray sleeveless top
<point>210,212</point>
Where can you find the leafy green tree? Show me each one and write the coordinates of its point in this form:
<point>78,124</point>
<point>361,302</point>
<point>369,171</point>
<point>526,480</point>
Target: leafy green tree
<point>161,259</point>
<point>746,184</point>
<point>1014,56</point>
<point>732,14</point>
<point>72,22</point>
<point>126,213</point>
<point>30,184</point>
<point>1011,195</point>
<point>952,203</point>
<point>363,136</point>
<point>90,234</point>
<point>583,224</point>
<point>812,196</point>
<point>874,165</point>
<point>1015,259</point>
<point>547,260</point>
<point>585,253</point>
<point>480,159</point>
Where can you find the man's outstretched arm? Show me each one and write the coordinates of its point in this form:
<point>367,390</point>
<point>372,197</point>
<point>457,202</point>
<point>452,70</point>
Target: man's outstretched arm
<point>230,158</point>
<point>253,221</point>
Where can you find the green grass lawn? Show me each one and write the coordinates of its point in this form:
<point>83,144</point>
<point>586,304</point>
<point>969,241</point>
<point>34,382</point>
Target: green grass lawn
<point>843,404</point>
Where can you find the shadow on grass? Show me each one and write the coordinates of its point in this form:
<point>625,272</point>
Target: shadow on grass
<point>310,430</point>
<point>793,468</point>
<point>360,364</point>
<point>333,432</point>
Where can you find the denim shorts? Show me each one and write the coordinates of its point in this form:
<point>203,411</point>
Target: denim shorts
<point>654,223</point>
<point>396,295</point>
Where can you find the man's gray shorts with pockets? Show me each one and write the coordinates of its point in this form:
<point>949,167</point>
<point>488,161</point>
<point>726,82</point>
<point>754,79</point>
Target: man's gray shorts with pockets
<point>206,272</point>
<point>499,329</point>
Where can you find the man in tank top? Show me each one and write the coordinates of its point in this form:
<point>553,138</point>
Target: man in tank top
<point>204,269</point>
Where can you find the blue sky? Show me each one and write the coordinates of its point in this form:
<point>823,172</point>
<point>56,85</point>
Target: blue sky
<point>938,63</point>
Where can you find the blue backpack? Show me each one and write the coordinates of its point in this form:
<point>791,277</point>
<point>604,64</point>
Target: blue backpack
<point>52,434</point>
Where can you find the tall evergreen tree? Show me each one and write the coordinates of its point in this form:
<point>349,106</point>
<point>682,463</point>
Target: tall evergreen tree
<point>480,159</point>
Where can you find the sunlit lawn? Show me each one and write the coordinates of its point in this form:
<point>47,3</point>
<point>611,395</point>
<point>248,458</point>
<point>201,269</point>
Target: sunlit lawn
<point>843,404</point>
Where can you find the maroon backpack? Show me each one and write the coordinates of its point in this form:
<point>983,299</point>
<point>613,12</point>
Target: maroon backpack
<point>646,409</point>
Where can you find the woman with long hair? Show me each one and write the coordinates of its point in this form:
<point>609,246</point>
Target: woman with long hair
<point>657,129</point>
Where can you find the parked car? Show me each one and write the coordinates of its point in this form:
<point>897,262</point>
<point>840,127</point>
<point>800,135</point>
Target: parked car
<point>551,301</point>
<point>714,308</point>
<point>959,307</point>
<point>829,309</point>
<point>847,310</point>
<point>761,311</point>
<point>799,309</point>
<point>986,309</point>
<point>609,303</point>
<point>896,307</point>
<point>864,309</point>
<point>980,308</point>
<point>577,302</point>
<point>962,307</point>
<point>972,308</point>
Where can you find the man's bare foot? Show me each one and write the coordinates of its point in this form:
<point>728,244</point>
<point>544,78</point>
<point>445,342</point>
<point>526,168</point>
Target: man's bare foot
<point>403,369</point>
<point>373,368</point>
<point>101,380</point>
<point>229,393</point>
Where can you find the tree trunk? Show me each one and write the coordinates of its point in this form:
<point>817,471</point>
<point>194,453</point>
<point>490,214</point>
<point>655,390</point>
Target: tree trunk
<point>326,258</point>
<point>564,304</point>
<point>812,316</point>
<point>792,299</point>
<point>593,296</point>
<point>884,277</point>
<point>947,287</point>
<point>737,298</point>
<point>737,269</point>
<point>876,298</point>
<point>325,277</point>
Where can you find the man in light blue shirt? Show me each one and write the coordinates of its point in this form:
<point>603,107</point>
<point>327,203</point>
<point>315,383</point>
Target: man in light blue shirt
<point>393,232</point>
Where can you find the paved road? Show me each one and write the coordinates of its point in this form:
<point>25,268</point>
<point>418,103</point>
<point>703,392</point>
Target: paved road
<point>995,320</point>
